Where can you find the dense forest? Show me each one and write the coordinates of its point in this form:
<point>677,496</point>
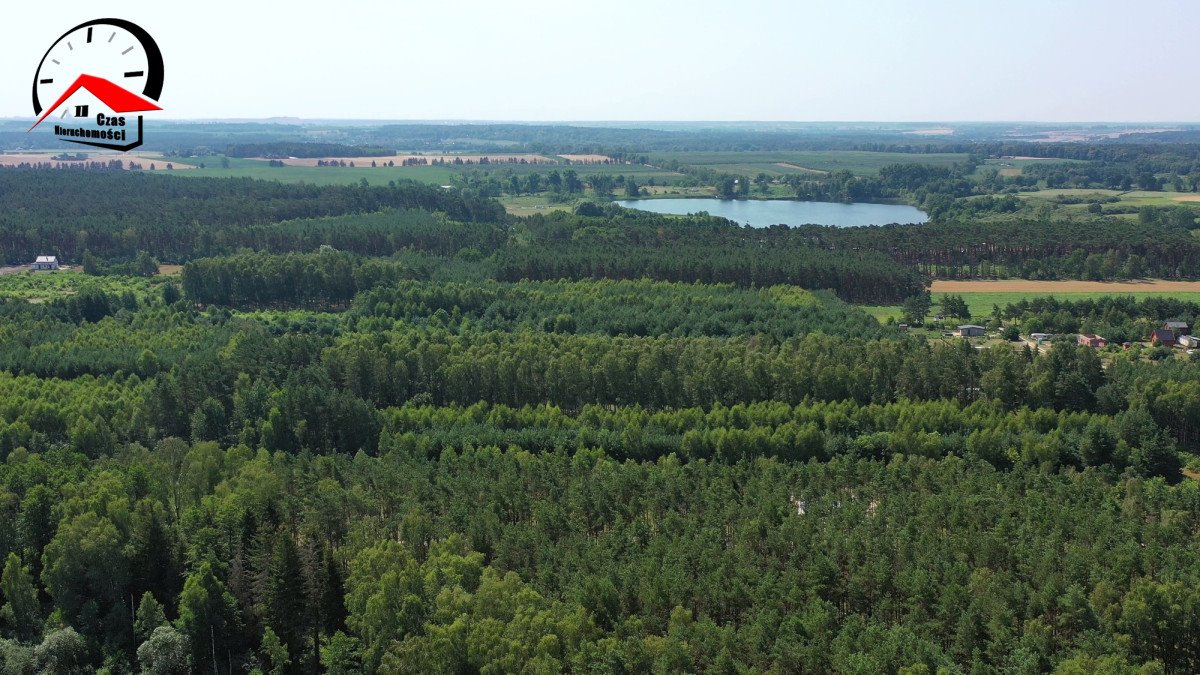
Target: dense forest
<point>396,429</point>
<point>118,214</point>
<point>1100,249</point>
<point>586,475</point>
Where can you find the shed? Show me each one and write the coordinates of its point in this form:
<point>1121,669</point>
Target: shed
<point>971,331</point>
<point>45,262</point>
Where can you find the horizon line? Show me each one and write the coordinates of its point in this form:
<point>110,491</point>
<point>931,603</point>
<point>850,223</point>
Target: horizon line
<point>480,121</point>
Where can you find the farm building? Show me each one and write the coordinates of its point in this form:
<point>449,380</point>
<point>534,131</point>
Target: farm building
<point>1177,328</point>
<point>971,331</point>
<point>45,262</point>
<point>1041,337</point>
<point>1093,341</point>
<point>1162,337</point>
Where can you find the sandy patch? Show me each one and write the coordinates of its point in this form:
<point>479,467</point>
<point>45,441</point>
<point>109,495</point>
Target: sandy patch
<point>170,270</point>
<point>399,159</point>
<point>1188,198</point>
<point>1030,286</point>
<point>587,158</point>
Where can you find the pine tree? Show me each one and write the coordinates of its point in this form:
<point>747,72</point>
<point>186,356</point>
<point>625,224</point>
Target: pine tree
<point>21,614</point>
<point>284,599</point>
<point>149,616</point>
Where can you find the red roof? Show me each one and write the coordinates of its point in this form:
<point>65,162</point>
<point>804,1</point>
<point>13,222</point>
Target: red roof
<point>117,98</point>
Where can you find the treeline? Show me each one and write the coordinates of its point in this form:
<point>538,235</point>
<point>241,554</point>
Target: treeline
<point>636,308</point>
<point>1093,249</point>
<point>856,262</point>
<point>1141,176</point>
<point>573,370</point>
<point>817,430</point>
<point>326,279</point>
<point>869,278</point>
<point>285,149</point>
<point>118,214</point>
<point>919,182</point>
<point>557,184</point>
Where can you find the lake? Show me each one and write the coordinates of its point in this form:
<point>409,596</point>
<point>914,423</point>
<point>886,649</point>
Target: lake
<point>762,213</point>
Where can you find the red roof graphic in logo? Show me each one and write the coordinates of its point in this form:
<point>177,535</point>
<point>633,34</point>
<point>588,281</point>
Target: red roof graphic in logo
<point>118,100</point>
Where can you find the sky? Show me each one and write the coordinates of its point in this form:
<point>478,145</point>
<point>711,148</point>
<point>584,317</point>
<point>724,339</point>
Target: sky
<point>568,60</point>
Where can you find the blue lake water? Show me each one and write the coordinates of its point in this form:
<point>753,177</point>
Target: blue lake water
<point>763,213</point>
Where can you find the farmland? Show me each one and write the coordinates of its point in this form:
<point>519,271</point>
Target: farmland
<point>47,156</point>
<point>982,296</point>
<point>261,169</point>
<point>785,162</point>
<point>1083,196</point>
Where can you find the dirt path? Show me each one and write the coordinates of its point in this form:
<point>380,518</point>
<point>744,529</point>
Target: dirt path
<point>1029,286</point>
<point>797,167</point>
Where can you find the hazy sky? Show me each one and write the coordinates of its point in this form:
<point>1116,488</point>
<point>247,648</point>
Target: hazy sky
<point>919,60</point>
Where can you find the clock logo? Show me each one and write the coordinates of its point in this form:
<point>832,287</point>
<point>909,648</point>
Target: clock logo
<point>93,78</point>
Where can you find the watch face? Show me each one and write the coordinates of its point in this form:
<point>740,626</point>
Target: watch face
<point>113,49</point>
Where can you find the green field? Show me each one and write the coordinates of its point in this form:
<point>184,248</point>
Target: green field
<point>640,170</point>
<point>1135,198</point>
<point>860,162</point>
<point>981,304</point>
<point>769,168</point>
<point>528,205</point>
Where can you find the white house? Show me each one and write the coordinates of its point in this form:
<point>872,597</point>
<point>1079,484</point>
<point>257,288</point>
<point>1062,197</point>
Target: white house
<point>45,262</point>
